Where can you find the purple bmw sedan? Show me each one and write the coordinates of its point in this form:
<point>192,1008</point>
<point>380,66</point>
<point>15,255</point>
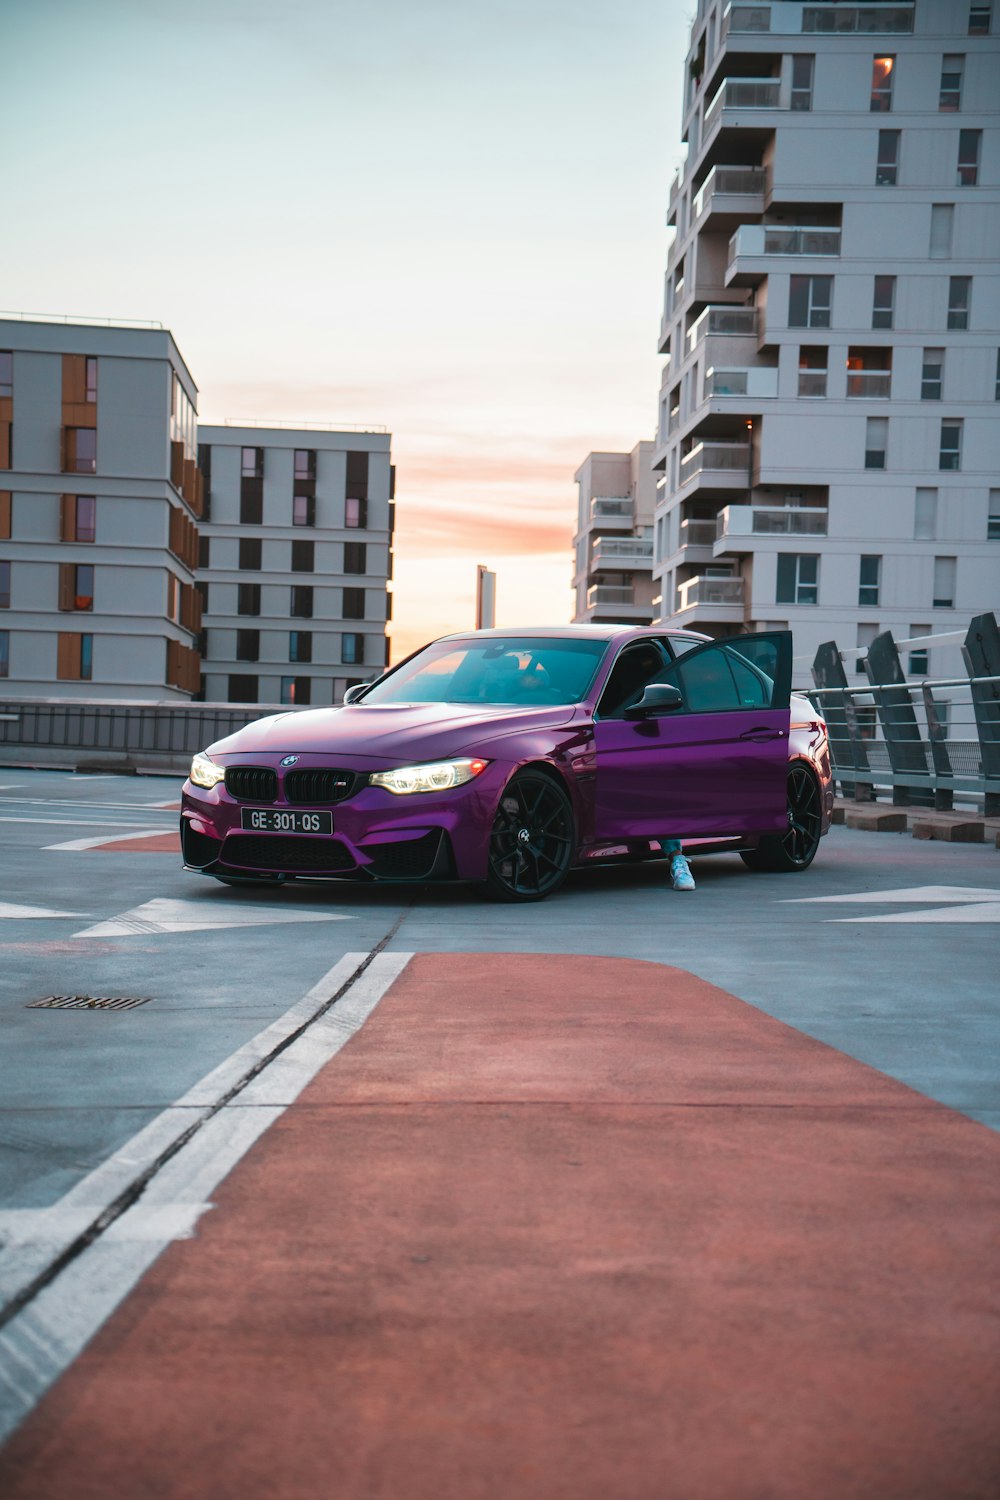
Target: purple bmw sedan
<point>506,758</point>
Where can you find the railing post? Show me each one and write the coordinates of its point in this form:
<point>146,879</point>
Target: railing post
<point>841,719</point>
<point>944,797</point>
<point>907,752</point>
<point>981,654</point>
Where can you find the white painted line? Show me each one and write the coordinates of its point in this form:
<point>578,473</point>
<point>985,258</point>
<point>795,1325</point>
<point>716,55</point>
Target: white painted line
<point>922,895</point>
<point>79,823</point>
<point>164,914</point>
<point>9,912</point>
<point>111,838</point>
<point>986,911</point>
<point>82,804</point>
<point>53,1329</point>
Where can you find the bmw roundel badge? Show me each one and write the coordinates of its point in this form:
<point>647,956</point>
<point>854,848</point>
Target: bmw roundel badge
<point>290,760</point>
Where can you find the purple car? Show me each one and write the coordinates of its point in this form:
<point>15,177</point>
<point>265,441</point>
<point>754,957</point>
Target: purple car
<point>507,758</point>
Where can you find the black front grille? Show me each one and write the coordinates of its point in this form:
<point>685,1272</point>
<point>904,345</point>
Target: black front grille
<point>252,783</point>
<point>285,852</point>
<point>320,787</point>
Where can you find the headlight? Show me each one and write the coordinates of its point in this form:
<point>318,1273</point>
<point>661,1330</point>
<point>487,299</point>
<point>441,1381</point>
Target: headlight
<point>437,777</point>
<point>205,772</point>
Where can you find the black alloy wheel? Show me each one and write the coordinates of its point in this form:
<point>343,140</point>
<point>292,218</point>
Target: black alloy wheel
<point>532,841</point>
<point>795,849</point>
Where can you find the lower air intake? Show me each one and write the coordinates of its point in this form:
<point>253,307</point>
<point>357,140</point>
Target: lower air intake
<point>286,854</point>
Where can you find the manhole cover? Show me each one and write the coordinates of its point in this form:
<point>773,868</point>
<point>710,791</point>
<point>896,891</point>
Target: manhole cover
<point>89,1002</point>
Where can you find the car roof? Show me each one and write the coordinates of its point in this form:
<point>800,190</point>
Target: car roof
<point>588,631</point>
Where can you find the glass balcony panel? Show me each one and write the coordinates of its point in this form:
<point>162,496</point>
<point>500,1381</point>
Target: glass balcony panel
<point>742,93</point>
<point>704,590</point>
<point>774,239</point>
<point>752,520</point>
<point>874,19</point>
<point>721,318</point>
<point>869,384</point>
<point>812,382</point>
<point>697,533</point>
<point>735,182</point>
<point>727,456</point>
<point>744,18</point>
<point>609,593</point>
<point>621,553</point>
<point>603,508</point>
<point>760,380</point>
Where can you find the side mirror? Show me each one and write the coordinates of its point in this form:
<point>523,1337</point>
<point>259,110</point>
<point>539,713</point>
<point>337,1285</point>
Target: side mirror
<point>354,693</point>
<point>658,698</point>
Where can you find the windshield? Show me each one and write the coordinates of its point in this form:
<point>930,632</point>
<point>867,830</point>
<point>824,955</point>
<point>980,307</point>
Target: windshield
<point>514,670</point>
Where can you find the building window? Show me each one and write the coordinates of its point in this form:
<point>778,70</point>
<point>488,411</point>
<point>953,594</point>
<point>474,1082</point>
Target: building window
<point>969,143</point>
<point>869,372</point>
<point>798,578</point>
<point>296,691</point>
<point>74,657</point>
<point>173,598</point>
<point>868,581</point>
<point>876,442</point>
<point>356,485</point>
<point>250,555</point>
<point>302,602</point>
<point>996,383</point>
<point>925,515</point>
<point>6,373</point>
<point>944,582</point>
<point>90,379</point>
<point>303,557</point>
<point>355,556</point>
<point>919,664</point>
<point>950,96</point>
<point>303,510</point>
<point>204,551</point>
<point>959,301</point>
<point>354,604</point>
<point>993,517</point>
<point>882,70</point>
<point>979,18</point>
<point>812,369</point>
<point>4,585</point>
<point>242,688</point>
<point>252,463</point>
<point>950,453</point>
<point>810,299</point>
<point>300,645</point>
<point>932,375</point>
<point>887,165</point>
<point>866,634</point>
<point>942,224</point>
<point>352,648</point>
<point>355,512</point>
<point>5,508</point>
<point>248,598</point>
<point>251,502</point>
<point>248,645</point>
<point>305,464</point>
<point>81,450</point>
<point>78,518</point>
<point>802,80</point>
<point>76,586</point>
<point>202,589</point>
<point>884,302</point>
<point>4,653</point>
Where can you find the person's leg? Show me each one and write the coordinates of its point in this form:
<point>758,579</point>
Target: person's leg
<point>680,871</point>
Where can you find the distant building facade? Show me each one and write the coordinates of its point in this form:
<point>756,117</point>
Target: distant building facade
<point>828,449</point>
<point>613,545</point>
<point>99,502</point>
<point>295,559</point>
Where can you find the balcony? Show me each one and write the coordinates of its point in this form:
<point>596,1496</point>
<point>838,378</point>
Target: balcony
<point>697,533</point>
<point>726,319</point>
<point>621,554</point>
<point>782,239</point>
<point>730,182</point>
<point>891,19</point>
<point>754,381</point>
<point>735,523</point>
<point>869,385</point>
<point>720,458</point>
<point>618,601</point>
<point>608,511</point>
<point>724,592</point>
<point>744,19</point>
<point>743,94</point>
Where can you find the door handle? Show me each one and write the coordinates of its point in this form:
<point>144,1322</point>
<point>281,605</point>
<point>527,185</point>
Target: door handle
<point>762,733</point>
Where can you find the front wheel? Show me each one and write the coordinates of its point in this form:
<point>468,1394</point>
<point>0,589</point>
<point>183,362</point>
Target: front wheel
<point>795,849</point>
<point>532,840</point>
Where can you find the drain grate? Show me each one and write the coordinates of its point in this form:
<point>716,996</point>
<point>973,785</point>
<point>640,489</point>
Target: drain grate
<point>89,1002</point>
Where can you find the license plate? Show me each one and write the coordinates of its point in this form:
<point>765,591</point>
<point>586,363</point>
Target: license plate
<point>275,820</point>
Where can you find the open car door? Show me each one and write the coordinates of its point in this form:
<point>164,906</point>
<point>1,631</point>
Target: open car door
<point>713,762</point>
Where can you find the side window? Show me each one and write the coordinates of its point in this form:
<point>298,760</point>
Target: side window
<point>725,677</point>
<point>636,665</point>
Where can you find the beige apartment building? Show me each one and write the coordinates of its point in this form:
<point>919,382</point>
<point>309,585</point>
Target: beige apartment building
<point>613,544</point>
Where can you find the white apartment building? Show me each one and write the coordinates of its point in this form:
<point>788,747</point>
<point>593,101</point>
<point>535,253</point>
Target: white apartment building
<point>296,556</point>
<point>828,449</point>
<point>613,544</point>
<point>99,496</point>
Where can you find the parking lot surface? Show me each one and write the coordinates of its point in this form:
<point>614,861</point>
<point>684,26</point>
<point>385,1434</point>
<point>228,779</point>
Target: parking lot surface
<point>573,1197</point>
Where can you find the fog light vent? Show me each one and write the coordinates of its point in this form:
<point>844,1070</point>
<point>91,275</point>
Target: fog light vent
<point>89,1002</point>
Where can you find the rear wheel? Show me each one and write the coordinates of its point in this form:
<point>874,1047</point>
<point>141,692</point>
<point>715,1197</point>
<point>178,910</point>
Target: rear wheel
<point>532,840</point>
<point>795,849</point>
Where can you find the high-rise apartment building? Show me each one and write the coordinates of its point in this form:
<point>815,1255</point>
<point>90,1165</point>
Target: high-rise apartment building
<point>613,545</point>
<point>828,445</point>
<point>99,498</point>
<point>296,555</point>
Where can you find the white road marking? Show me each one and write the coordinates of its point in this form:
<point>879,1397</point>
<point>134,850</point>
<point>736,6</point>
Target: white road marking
<point>12,912</point>
<point>164,914</point>
<point>81,804</point>
<point>986,911</point>
<point>44,1338</point>
<point>79,823</point>
<point>921,894</point>
<point>110,838</point>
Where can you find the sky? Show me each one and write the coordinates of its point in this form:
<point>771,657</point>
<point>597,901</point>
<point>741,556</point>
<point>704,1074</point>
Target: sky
<point>443,217</point>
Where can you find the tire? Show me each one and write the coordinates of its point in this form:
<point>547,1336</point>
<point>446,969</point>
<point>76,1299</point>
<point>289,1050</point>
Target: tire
<point>532,841</point>
<point>795,849</point>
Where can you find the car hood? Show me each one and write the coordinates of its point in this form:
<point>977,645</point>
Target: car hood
<point>389,732</point>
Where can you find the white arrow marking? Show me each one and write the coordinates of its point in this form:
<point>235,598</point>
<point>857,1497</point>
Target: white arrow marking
<point>922,895</point>
<point>9,910</point>
<point>987,911</point>
<point>163,915</point>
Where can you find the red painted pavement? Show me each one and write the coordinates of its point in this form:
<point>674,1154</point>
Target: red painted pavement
<point>156,843</point>
<point>569,1229</point>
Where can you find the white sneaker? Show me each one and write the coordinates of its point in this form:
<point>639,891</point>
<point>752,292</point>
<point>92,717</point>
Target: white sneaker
<point>680,874</point>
